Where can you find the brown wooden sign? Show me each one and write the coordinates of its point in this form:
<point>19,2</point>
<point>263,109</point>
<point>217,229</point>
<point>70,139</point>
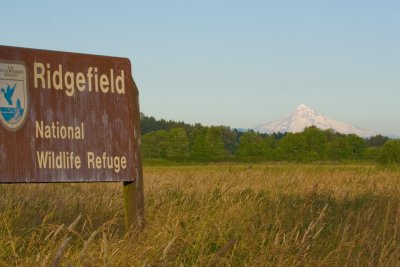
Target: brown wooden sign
<point>67,117</point>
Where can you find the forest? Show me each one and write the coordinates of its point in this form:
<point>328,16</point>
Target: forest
<point>179,141</point>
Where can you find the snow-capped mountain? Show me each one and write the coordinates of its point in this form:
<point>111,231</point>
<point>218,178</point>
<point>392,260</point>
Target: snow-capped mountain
<point>304,117</point>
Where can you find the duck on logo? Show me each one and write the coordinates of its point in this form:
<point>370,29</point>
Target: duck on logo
<point>13,95</point>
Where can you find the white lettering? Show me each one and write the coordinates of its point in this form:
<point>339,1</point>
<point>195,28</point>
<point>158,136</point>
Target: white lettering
<point>92,80</point>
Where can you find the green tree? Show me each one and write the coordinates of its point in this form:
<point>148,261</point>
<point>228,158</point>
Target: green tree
<point>199,150</point>
<point>270,145</point>
<point>215,144</point>
<point>309,145</point>
<point>347,147</point>
<point>208,144</point>
<point>372,153</point>
<point>251,145</point>
<point>358,146</point>
<point>377,140</point>
<point>339,148</point>
<point>331,134</point>
<point>231,140</point>
<point>178,144</point>
<point>316,143</point>
<point>390,153</point>
<point>292,147</point>
<point>154,144</point>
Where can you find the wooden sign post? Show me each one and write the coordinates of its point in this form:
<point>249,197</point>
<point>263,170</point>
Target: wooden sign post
<point>68,117</point>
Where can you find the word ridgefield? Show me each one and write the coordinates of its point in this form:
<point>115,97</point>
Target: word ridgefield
<point>45,77</point>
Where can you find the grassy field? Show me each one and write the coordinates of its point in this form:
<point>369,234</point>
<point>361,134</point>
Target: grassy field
<point>237,215</point>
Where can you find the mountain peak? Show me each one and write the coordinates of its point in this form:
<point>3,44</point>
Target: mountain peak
<point>304,110</point>
<point>305,116</point>
<point>304,107</point>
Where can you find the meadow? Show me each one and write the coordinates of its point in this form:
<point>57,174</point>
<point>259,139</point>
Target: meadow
<point>211,215</point>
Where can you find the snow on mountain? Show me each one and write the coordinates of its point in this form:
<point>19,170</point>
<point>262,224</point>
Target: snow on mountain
<point>304,117</point>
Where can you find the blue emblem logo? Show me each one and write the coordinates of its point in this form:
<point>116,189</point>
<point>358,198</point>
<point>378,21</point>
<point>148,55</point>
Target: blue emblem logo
<point>13,95</point>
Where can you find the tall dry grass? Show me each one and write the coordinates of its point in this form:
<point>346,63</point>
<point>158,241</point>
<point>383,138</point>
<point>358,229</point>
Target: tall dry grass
<point>238,215</point>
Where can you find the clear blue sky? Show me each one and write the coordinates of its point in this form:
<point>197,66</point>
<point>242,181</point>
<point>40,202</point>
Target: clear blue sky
<point>235,63</point>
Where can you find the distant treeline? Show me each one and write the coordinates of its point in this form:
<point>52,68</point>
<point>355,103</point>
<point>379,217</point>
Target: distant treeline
<point>182,142</point>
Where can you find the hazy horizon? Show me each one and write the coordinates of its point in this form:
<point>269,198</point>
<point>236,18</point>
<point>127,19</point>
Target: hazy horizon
<point>235,63</point>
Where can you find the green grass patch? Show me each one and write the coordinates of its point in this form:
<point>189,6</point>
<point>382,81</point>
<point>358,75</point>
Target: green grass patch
<point>224,214</point>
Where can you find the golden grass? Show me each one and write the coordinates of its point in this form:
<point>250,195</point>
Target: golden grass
<point>238,215</point>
